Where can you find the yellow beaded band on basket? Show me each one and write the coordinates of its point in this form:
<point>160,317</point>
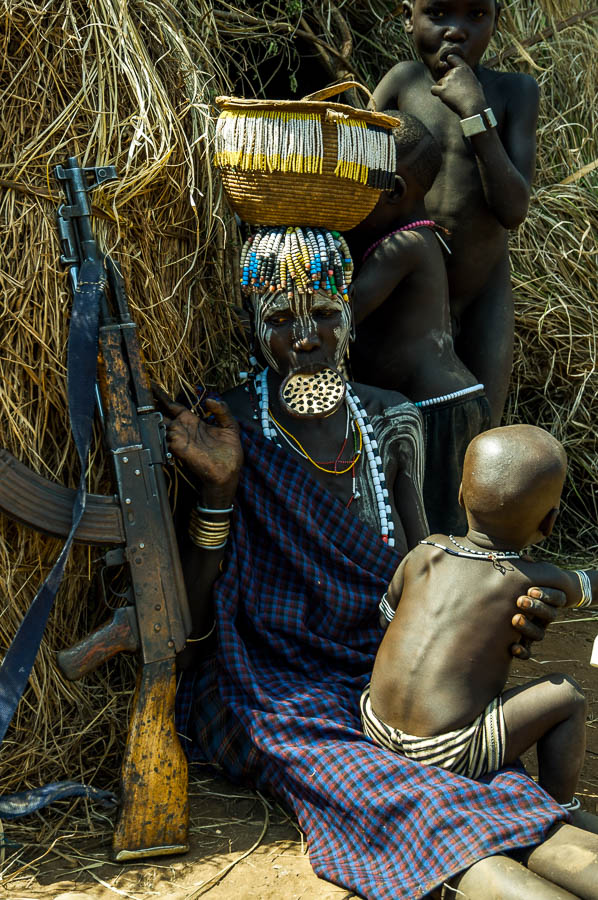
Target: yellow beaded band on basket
<point>282,140</point>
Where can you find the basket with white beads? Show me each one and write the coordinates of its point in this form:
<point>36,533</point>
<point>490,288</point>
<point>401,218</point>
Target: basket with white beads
<point>304,162</point>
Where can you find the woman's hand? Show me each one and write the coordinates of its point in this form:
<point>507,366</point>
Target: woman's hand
<point>212,453</point>
<point>539,607</point>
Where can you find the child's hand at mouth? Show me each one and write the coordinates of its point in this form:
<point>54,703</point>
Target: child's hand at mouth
<point>459,88</point>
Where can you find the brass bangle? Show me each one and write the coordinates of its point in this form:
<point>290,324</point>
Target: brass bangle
<point>207,535</point>
<point>209,526</point>
<point>195,519</point>
<point>200,541</point>
<point>203,546</point>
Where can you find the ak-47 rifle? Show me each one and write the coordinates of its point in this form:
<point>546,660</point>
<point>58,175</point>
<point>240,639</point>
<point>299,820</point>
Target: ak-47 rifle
<point>136,524</point>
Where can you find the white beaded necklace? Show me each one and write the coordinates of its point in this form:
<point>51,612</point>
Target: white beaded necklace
<point>370,446</point>
<point>496,557</point>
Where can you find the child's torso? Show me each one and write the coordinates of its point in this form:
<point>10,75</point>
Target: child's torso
<point>406,344</point>
<point>420,368</point>
<point>456,200</point>
<point>446,654</point>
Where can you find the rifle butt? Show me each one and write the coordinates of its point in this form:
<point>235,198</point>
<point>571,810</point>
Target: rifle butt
<point>154,813</point>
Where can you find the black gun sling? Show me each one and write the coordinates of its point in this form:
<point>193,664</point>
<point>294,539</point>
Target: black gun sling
<point>20,656</point>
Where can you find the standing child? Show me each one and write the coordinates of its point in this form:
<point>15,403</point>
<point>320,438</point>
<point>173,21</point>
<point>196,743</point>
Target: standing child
<point>485,123</point>
<point>404,341</point>
<point>430,701</point>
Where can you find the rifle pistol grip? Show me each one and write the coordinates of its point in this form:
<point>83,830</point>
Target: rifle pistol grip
<point>118,634</point>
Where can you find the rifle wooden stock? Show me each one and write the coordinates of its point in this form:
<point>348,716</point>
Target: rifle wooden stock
<point>118,634</point>
<point>42,504</point>
<point>154,812</point>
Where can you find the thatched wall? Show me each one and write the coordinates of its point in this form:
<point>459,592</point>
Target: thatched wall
<point>131,84</point>
<point>123,84</point>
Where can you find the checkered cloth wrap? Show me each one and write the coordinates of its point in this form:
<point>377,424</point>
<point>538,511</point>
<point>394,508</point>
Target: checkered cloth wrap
<point>297,625</point>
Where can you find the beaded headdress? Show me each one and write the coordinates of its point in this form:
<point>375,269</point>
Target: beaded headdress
<point>291,259</point>
<point>299,262</point>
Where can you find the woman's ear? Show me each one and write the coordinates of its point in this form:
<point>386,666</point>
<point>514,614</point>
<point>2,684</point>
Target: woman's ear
<point>399,188</point>
<point>408,16</point>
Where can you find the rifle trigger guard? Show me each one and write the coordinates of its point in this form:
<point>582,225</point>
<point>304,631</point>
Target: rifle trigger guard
<point>113,558</point>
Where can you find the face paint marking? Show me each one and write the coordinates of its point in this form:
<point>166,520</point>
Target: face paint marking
<point>300,312</point>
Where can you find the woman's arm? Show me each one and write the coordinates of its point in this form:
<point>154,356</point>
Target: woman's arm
<point>407,473</point>
<point>212,457</point>
<point>410,507</point>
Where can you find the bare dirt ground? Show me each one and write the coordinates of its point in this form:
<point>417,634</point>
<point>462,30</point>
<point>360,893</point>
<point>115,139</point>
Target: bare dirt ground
<point>242,845</point>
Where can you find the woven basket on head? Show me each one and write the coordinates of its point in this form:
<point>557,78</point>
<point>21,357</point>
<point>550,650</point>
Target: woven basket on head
<point>304,162</point>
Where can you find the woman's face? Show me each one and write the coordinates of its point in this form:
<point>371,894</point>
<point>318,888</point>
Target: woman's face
<point>306,329</point>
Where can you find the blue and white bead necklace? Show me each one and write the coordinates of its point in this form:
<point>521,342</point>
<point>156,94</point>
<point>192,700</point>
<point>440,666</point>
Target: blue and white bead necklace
<point>370,446</point>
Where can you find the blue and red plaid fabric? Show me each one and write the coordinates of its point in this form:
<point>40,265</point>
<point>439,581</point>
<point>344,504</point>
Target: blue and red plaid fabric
<point>278,706</point>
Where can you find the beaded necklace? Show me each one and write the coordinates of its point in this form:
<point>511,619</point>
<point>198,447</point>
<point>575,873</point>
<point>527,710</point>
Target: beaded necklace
<point>420,223</point>
<point>370,449</point>
<point>493,556</point>
<point>306,455</point>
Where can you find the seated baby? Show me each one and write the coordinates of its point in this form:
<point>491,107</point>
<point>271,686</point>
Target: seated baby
<point>431,701</point>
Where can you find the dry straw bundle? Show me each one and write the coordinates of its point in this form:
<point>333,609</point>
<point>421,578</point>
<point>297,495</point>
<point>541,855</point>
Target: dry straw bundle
<point>131,84</point>
<point>110,82</point>
<point>554,257</point>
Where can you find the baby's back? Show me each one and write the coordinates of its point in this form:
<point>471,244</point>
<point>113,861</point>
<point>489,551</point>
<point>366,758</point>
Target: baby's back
<point>446,654</point>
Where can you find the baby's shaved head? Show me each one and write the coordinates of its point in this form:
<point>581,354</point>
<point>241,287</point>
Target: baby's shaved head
<point>512,477</point>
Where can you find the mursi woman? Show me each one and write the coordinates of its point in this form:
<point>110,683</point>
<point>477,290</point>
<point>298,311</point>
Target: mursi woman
<point>308,492</point>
